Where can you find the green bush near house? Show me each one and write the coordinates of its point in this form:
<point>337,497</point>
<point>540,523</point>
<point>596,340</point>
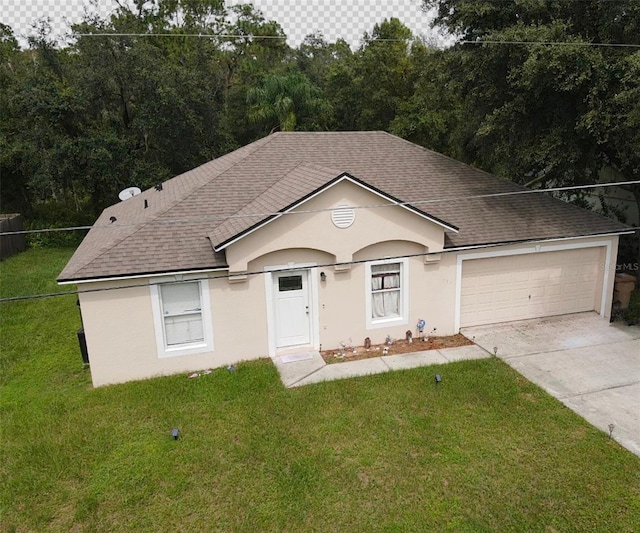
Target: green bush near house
<point>632,314</point>
<point>483,451</point>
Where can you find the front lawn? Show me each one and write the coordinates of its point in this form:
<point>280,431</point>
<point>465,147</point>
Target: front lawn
<point>483,451</point>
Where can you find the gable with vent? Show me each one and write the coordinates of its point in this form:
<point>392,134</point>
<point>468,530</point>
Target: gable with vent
<point>340,220</point>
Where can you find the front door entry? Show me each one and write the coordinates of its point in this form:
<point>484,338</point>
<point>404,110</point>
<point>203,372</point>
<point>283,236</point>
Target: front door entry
<point>293,319</point>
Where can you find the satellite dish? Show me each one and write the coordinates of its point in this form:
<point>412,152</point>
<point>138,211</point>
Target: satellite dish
<point>129,192</point>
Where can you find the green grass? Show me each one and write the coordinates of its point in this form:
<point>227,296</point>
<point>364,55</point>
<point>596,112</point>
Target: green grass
<point>483,451</point>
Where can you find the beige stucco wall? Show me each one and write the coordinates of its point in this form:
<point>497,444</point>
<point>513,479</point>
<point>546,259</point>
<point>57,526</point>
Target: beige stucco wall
<point>385,232</point>
<point>340,309</point>
<point>120,333</point>
<point>119,323</point>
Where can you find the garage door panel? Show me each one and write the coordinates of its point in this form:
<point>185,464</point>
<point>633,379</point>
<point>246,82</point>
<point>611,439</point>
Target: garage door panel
<point>554,290</point>
<point>488,281</point>
<point>525,286</point>
<point>505,278</point>
<point>521,276</point>
<point>503,297</point>
<point>570,290</point>
<point>521,294</point>
<point>539,274</point>
<point>555,308</point>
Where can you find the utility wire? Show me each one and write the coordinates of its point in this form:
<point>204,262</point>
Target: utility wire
<point>553,43</point>
<point>191,35</point>
<point>230,275</point>
<point>284,38</point>
<point>315,211</point>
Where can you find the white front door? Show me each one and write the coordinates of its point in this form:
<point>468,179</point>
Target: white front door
<point>292,308</point>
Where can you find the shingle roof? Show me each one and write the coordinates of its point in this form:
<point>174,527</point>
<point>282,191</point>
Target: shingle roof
<point>191,214</point>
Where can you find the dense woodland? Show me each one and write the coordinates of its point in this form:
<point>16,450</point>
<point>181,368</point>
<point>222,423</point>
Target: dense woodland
<point>83,120</point>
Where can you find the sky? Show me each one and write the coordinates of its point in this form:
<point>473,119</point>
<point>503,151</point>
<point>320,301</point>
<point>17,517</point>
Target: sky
<point>348,19</point>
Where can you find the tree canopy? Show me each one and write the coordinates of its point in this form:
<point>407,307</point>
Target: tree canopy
<point>528,90</point>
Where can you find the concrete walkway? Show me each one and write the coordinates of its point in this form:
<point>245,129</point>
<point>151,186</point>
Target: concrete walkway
<point>589,365</point>
<point>305,368</point>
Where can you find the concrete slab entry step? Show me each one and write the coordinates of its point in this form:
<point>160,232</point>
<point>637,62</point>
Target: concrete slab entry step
<point>295,357</point>
<point>294,368</point>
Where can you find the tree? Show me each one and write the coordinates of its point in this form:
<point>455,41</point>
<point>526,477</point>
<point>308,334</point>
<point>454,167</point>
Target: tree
<point>84,121</point>
<point>543,114</point>
<point>38,124</point>
<point>287,102</point>
<point>432,115</point>
<point>382,74</point>
<point>15,195</point>
<point>154,105</point>
<point>259,48</point>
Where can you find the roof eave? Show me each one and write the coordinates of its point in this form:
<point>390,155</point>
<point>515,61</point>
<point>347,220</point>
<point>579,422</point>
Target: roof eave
<point>149,274</point>
<point>538,239</point>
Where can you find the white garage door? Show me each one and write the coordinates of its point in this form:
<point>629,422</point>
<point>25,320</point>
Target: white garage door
<point>518,287</point>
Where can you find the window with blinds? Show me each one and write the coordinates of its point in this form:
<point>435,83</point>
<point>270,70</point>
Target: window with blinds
<point>182,313</point>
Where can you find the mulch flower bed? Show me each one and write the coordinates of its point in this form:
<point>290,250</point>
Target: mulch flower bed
<point>355,353</point>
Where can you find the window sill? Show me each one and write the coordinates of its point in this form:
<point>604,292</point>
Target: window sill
<point>386,322</point>
<point>185,349</point>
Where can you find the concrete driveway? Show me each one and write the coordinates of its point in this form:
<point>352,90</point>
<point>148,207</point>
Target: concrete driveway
<point>591,366</point>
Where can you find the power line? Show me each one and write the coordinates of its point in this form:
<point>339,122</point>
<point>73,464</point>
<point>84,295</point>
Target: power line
<point>230,275</point>
<point>190,35</point>
<point>315,211</point>
<point>44,230</point>
<point>553,43</point>
<point>222,276</point>
<point>235,36</point>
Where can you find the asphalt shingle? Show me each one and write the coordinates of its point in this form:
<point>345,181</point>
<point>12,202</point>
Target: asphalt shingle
<point>191,214</point>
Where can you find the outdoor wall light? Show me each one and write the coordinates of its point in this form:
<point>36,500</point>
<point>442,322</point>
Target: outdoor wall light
<point>175,433</point>
<point>323,276</point>
<point>438,378</point>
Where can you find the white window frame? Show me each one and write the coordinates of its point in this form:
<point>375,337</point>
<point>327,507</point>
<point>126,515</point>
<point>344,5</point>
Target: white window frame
<point>403,306</point>
<point>189,348</point>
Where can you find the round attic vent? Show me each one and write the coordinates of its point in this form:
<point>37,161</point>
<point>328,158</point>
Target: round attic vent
<point>343,216</point>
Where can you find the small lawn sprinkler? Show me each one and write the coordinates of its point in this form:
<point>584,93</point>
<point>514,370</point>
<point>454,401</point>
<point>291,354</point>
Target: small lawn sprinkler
<point>175,433</point>
<point>438,379</point>
<point>231,368</point>
<point>611,428</point>
<point>495,351</point>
